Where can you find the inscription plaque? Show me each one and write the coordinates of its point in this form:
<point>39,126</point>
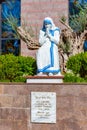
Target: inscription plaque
<point>43,107</point>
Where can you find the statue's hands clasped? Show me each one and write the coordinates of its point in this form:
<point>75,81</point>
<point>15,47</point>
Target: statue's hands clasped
<point>48,33</point>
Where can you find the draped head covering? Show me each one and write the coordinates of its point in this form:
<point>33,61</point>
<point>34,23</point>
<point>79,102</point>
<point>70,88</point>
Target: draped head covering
<point>49,20</point>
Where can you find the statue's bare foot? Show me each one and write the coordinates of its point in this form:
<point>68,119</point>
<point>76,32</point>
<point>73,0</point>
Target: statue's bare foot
<point>50,74</point>
<point>41,74</point>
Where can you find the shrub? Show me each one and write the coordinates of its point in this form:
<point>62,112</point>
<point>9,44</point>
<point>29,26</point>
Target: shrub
<point>14,68</point>
<point>27,65</point>
<point>71,78</point>
<point>78,64</point>
<point>74,63</point>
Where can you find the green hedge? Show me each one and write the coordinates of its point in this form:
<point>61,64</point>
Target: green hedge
<point>71,78</point>
<point>15,68</point>
<point>77,64</point>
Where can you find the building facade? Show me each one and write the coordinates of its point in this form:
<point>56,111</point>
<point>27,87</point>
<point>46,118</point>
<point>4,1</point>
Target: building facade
<point>9,43</point>
<point>34,11</point>
<point>31,14</point>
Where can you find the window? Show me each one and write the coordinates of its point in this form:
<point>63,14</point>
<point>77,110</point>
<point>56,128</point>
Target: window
<point>9,43</point>
<point>73,6</point>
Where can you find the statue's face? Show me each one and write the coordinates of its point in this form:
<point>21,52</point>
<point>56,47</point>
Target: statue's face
<point>49,26</point>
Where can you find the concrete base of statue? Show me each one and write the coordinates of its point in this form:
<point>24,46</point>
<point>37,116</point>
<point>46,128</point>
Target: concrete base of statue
<point>44,79</point>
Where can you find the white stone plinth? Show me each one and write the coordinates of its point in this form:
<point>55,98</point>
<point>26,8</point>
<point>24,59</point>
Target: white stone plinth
<point>44,79</point>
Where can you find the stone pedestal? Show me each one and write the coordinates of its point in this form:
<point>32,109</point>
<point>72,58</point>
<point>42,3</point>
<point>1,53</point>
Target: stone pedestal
<point>44,79</point>
<point>16,106</point>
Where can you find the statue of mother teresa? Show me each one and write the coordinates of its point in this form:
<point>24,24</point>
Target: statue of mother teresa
<point>47,56</point>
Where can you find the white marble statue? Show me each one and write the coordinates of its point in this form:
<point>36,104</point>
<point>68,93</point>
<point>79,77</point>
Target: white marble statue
<point>47,56</point>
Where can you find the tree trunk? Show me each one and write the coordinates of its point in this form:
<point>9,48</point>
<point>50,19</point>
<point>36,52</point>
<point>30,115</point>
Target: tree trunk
<point>70,43</point>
